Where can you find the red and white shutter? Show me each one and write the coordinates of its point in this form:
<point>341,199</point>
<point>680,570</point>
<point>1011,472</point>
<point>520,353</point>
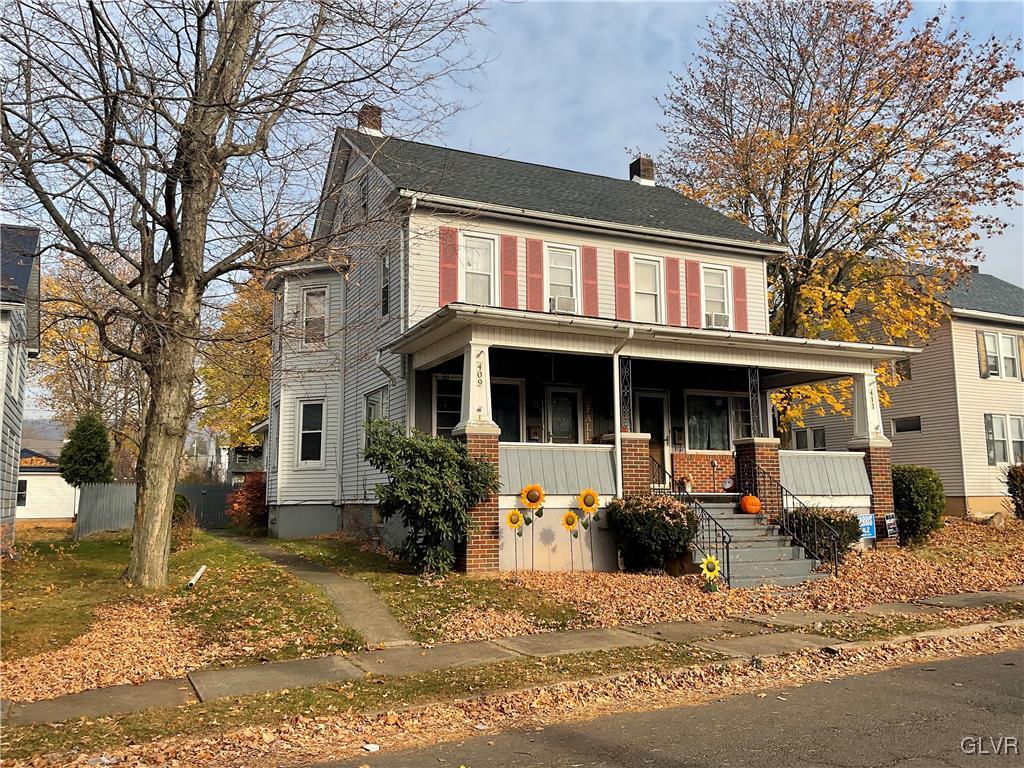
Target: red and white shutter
<point>535,275</point>
<point>739,299</point>
<point>672,296</point>
<point>590,302</point>
<point>622,286</point>
<point>693,318</point>
<point>448,265</point>
<point>509,272</point>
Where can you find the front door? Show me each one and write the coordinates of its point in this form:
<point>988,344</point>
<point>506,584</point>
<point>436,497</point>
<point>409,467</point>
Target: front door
<point>564,415</point>
<point>652,418</point>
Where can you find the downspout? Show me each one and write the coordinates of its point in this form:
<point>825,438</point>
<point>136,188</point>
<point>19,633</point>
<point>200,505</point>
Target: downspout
<point>382,368</point>
<point>617,406</point>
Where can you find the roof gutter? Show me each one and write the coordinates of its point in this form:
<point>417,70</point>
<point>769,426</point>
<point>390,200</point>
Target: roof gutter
<point>651,233</point>
<point>996,317</point>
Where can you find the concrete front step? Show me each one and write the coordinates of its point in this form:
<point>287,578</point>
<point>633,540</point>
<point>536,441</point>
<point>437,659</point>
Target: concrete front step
<point>764,554</point>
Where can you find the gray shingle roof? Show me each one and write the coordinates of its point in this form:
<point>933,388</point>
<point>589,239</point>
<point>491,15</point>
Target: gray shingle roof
<point>987,293</point>
<point>18,249</point>
<point>485,179</point>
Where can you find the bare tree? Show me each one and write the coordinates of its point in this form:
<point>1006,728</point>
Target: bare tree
<point>178,136</point>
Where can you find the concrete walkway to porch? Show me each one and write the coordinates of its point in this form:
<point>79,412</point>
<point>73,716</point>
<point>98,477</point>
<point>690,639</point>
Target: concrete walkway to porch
<point>738,638</point>
<point>353,599</point>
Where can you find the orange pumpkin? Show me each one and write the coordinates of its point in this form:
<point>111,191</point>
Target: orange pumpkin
<point>750,505</point>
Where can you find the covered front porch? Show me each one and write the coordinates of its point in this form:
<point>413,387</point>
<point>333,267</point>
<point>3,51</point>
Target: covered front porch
<point>620,407</point>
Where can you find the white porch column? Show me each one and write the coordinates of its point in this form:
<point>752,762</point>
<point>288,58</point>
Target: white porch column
<point>476,392</point>
<point>867,410</point>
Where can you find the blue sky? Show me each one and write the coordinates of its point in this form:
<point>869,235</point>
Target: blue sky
<point>573,84</point>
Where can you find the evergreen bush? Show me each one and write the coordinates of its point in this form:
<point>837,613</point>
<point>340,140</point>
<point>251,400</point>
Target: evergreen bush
<point>1013,476</point>
<point>85,457</point>
<point>920,502</point>
<point>651,531</point>
<point>433,483</point>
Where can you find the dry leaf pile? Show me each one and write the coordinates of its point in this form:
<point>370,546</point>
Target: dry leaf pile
<point>316,739</point>
<point>476,623</point>
<point>128,643</point>
<point>962,557</point>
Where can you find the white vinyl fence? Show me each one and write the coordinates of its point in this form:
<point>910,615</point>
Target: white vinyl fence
<point>111,506</point>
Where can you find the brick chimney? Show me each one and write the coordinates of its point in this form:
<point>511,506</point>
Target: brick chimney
<point>370,120</point>
<point>641,170</point>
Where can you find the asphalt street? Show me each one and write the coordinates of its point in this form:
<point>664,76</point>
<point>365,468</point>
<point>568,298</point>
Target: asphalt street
<point>953,713</point>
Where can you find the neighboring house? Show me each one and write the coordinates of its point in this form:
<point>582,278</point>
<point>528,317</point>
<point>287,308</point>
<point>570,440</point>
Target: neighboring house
<point>574,329</point>
<point>42,492</point>
<point>243,460</point>
<point>19,340</point>
<point>960,406</point>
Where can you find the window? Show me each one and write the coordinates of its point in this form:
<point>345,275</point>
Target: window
<point>715,286</point>
<point>907,424</point>
<point>364,192</point>
<point>707,423</point>
<point>385,283</point>
<point>311,432</point>
<point>741,417</point>
<point>646,290</point>
<point>902,369</point>
<point>376,405</point>
<point>447,404</point>
<point>1017,438</point>
<point>811,439</point>
<point>314,315</point>
<point>1004,438</point>
<point>22,492</point>
<point>998,355</point>
<point>272,432</point>
<point>478,274</point>
<point>561,275</point>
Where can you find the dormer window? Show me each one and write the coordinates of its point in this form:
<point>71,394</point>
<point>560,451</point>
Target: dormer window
<point>715,282</point>
<point>478,259</point>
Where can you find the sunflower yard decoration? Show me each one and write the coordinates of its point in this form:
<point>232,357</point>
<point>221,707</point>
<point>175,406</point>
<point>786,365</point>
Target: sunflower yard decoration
<point>532,497</point>
<point>588,502</point>
<point>710,569</point>
<point>570,521</point>
<point>515,520</point>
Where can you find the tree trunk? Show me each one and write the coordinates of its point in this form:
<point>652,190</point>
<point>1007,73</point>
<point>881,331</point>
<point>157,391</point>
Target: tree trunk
<point>167,417</point>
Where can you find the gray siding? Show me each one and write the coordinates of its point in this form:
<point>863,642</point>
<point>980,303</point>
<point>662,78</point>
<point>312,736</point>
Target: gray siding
<point>13,360</point>
<point>559,470</point>
<point>820,473</point>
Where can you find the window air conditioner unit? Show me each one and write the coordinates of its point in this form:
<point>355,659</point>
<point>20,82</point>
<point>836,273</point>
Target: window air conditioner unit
<point>562,305</point>
<point>716,320</point>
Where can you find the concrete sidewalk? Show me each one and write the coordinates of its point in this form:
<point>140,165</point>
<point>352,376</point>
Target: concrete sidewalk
<point>754,635</point>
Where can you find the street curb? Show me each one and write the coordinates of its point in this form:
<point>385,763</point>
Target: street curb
<point>927,634</point>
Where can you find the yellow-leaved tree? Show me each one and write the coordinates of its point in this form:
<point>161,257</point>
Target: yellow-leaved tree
<point>235,369</point>
<point>874,149</point>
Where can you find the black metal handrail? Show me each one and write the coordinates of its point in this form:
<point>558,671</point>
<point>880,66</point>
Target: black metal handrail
<point>817,536</point>
<point>712,537</point>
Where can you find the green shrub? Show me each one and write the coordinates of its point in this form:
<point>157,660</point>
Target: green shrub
<point>920,502</point>
<point>817,539</point>
<point>651,530</point>
<point>85,457</point>
<point>1013,476</point>
<point>433,483</point>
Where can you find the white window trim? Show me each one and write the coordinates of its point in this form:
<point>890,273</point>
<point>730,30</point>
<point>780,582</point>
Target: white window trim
<point>495,265</point>
<point>385,396</point>
<point>576,268</point>
<point>327,314</point>
<point>659,263</point>
<point>1006,418</point>
<point>1009,434</point>
<point>548,390</point>
<point>299,402</point>
<point>704,267</point>
<point>686,418</point>
<point>433,396</point>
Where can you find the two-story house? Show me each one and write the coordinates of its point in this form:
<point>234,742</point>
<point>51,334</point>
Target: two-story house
<point>19,335</point>
<point>577,330</point>
<point>959,407</point>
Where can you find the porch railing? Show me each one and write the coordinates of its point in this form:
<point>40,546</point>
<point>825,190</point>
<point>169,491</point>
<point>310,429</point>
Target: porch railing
<point>796,519</point>
<point>712,537</point>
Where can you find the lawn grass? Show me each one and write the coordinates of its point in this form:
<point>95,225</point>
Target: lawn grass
<point>424,604</point>
<point>248,607</point>
<point>372,694</point>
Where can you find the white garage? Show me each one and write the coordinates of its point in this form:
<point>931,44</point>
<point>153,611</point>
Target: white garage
<point>42,492</point>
